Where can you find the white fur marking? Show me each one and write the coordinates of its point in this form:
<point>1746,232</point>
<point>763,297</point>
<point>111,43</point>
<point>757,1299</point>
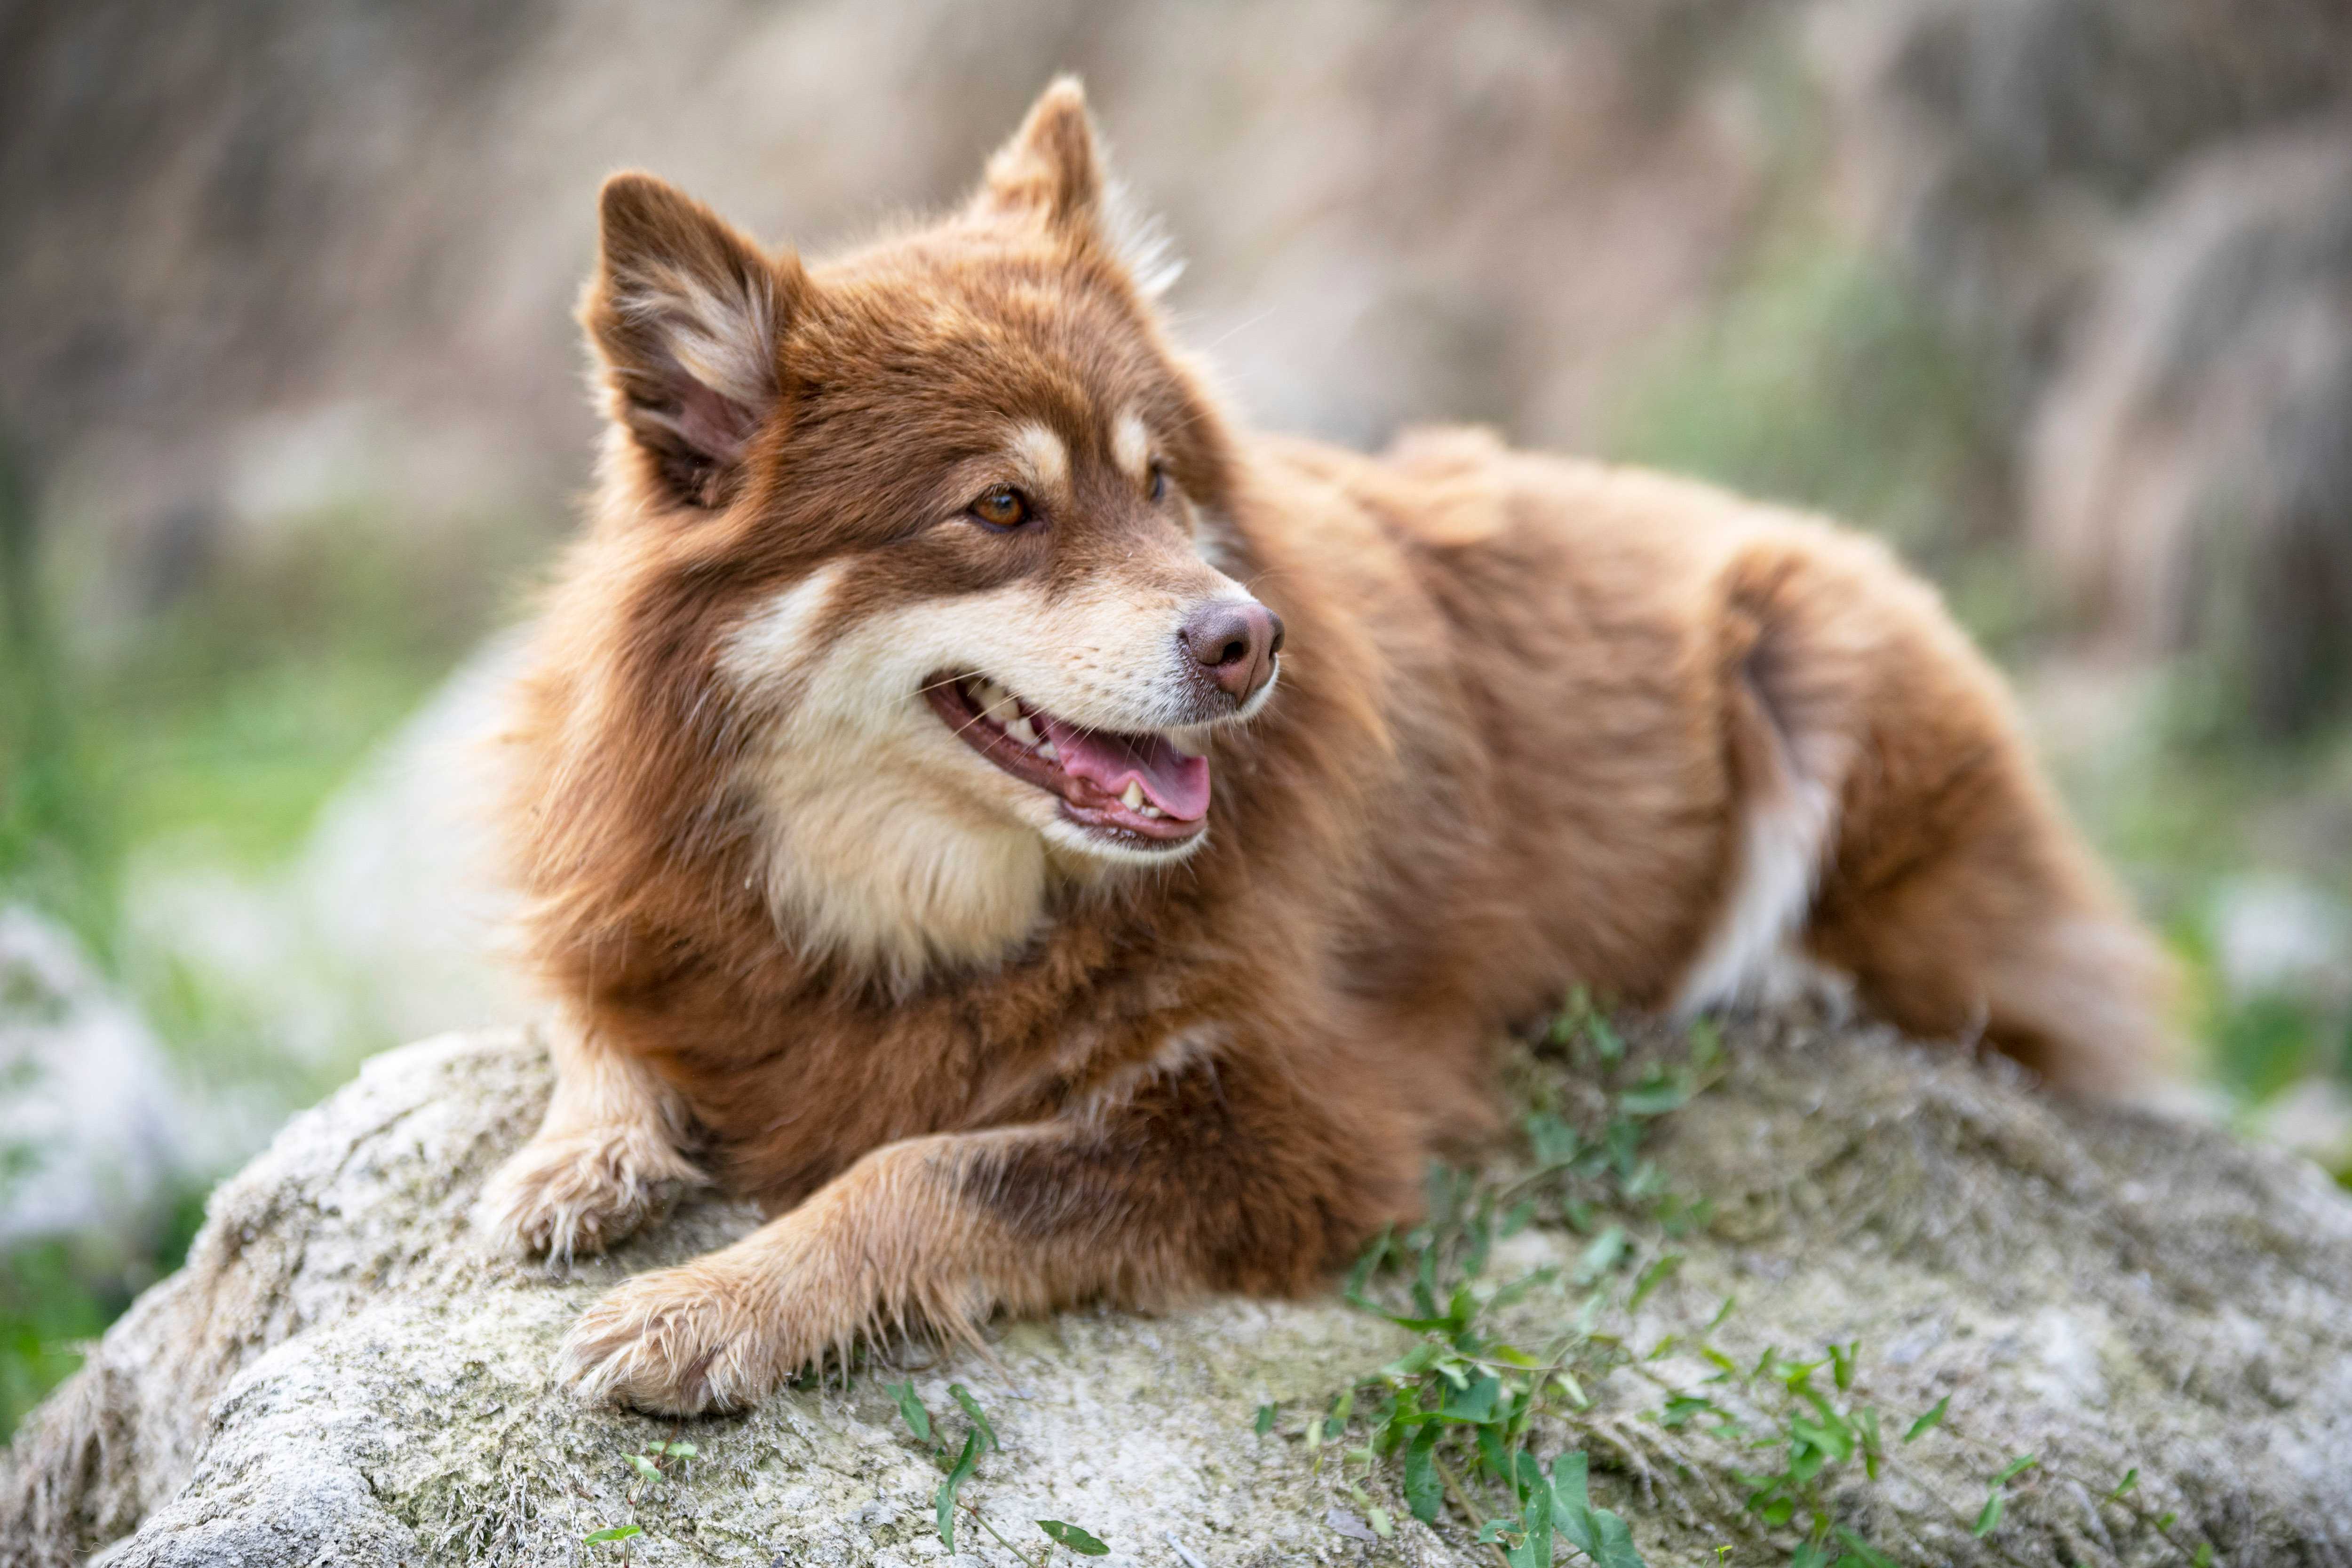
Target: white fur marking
<point>775,641</point>
<point>1043,457</point>
<point>1130,446</point>
<point>1781,849</point>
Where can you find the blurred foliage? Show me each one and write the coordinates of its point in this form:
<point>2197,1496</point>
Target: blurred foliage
<point>228,715</point>
<point>234,710</point>
<point>56,843</point>
<point>59,1292</point>
<point>231,712</point>
<point>2264,1043</point>
<point>1821,381</point>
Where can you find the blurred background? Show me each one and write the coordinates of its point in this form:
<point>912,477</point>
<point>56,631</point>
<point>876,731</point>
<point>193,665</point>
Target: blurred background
<point>2054,294</point>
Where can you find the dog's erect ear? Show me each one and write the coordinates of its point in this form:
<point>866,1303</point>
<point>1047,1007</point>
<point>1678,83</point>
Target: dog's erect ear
<point>1054,170</point>
<point>1053,166</point>
<point>687,314</point>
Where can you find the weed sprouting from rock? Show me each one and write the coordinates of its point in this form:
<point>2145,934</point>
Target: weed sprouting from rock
<point>1464,1418</point>
<point>979,1439</point>
<point>651,1464</point>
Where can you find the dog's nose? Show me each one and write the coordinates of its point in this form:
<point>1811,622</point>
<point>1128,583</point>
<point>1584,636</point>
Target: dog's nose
<point>1234,642</point>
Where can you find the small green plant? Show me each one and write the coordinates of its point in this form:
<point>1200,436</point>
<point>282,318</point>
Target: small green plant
<point>1457,1411</point>
<point>648,1463</point>
<point>979,1440</point>
<point>1818,1436</point>
<point>1460,1404</point>
<point>1813,1437</point>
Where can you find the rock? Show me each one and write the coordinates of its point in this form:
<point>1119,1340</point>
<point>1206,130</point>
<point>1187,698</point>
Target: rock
<point>340,1375</point>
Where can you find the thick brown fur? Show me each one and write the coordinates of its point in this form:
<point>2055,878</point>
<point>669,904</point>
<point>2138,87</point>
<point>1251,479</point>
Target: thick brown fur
<point>1535,723</point>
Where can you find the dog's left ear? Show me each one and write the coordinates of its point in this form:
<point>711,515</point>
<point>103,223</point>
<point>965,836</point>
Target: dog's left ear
<point>1053,171</point>
<point>1053,167</point>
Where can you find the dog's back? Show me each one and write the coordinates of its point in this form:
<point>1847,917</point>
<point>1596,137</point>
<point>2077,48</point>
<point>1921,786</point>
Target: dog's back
<point>1654,734</point>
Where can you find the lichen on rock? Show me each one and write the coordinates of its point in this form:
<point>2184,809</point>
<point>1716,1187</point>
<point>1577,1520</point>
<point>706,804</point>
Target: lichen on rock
<point>343,1374</point>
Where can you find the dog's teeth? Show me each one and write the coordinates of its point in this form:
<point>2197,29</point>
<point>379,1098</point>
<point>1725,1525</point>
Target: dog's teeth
<point>1151,811</point>
<point>1046,750</point>
<point>993,701</point>
<point>1185,747</point>
<point>1021,730</point>
<point>1133,798</point>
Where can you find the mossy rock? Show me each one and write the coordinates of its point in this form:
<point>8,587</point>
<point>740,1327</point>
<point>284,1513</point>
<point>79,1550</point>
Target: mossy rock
<point>341,1374</point>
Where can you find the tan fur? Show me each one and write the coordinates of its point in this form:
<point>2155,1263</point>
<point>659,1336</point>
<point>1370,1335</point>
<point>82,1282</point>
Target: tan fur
<point>1535,723</point>
<point>604,1160</point>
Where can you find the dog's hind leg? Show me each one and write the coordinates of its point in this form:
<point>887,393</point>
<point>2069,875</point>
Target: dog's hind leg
<point>2004,932</point>
<point>1946,880</point>
<point>604,1160</point>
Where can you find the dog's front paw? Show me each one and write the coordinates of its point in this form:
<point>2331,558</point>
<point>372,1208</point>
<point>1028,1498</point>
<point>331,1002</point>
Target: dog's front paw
<point>581,1191</point>
<point>680,1341</point>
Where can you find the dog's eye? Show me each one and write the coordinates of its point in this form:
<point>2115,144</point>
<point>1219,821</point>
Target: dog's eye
<point>1158,481</point>
<point>1003,507</point>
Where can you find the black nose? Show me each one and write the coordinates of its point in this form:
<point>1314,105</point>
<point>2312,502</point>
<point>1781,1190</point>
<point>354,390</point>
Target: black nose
<point>1234,641</point>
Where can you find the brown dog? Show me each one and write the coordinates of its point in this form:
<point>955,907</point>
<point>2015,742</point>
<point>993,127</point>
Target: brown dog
<point>864,794</point>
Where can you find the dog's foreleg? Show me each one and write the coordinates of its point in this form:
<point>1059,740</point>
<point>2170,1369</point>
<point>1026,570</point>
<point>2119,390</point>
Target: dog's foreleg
<point>1221,1176</point>
<point>604,1160</point>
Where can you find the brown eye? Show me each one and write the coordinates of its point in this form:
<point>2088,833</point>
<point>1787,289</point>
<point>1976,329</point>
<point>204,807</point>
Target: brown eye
<point>1003,507</point>
<point>1159,482</point>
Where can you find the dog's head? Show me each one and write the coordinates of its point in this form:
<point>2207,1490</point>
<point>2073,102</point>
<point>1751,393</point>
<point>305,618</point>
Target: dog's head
<point>937,525</point>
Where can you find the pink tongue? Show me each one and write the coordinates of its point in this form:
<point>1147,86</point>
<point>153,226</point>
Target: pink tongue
<point>1176,783</point>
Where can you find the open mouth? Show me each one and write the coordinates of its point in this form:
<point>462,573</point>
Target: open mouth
<point>1140,790</point>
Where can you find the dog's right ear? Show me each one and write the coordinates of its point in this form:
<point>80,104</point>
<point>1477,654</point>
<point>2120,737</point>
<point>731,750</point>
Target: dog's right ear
<point>687,314</point>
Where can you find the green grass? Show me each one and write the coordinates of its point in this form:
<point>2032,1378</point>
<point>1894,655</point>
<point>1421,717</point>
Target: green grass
<point>1457,1423</point>
<point>233,714</point>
